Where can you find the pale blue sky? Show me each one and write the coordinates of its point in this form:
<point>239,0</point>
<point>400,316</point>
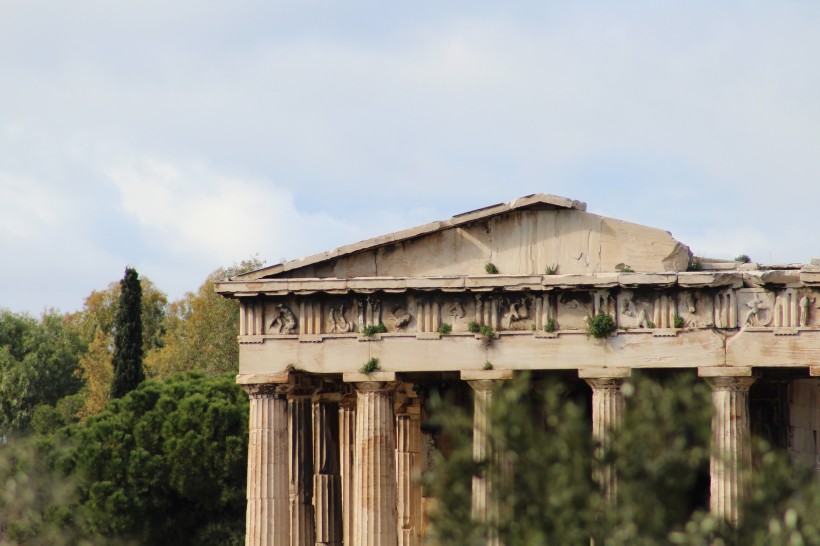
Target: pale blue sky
<point>181,136</point>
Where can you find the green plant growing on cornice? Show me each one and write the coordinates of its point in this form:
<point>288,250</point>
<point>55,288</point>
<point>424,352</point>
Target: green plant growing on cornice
<point>370,366</point>
<point>650,325</point>
<point>625,269</point>
<point>551,326</point>
<point>487,335</point>
<point>445,329</point>
<point>488,365</point>
<point>743,258</point>
<point>679,322</point>
<point>695,264</point>
<point>473,327</point>
<point>373,329</point>
<point>490,268</point>
<point>552,269</point>
<point>600,326</point>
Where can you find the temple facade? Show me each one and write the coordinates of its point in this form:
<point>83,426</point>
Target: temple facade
<point>334,348</point>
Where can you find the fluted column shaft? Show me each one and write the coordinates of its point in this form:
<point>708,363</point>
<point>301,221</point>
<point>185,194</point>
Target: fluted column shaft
<point>268,515</point>
<point>300,412</point>
<point>347,445</point>
<point>408,452</point>
<point>607,415</point>
<point>327,479</point>
<point>375,519</point>
<point>484,507</point>
<point>731,445</point>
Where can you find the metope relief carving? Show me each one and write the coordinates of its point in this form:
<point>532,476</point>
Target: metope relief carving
<point>337,320</point>
<point>519,313</point>
<point>633,311</point>
<point>399,319</point>
<point>574,310</point>
<point>756,307</point>
<point>695,308</point>
<point>283,322</point>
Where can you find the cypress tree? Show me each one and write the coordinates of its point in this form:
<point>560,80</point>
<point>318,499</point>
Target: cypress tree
<point>127,359</point>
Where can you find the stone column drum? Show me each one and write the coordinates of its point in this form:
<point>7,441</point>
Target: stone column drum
<point>408,452</point>
<point>268,511</point>
<point>327,479</point>
<point>347,445</point>
<point>484,507</point>
<point>375,517</point>
<point>300,413</point>
<point>607,414</point>
<point>731,458</point>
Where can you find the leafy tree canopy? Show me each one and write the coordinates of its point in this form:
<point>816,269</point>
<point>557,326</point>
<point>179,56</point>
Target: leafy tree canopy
<point>38,365</point>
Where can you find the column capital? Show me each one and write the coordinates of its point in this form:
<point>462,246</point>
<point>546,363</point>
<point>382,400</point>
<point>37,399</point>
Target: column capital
<point>734,384</point>
<point>605,383</point>
<point>266,390</point>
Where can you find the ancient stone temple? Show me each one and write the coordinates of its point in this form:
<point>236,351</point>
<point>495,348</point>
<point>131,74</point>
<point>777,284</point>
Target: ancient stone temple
<point>334,346</point>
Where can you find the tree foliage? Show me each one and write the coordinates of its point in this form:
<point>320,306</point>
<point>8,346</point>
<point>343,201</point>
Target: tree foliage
<point>128,351</point>
<point>661,452</point>
<point>38,365</point>
<point>201,329</point>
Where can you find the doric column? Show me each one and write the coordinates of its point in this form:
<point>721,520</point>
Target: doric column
<point>484,507</point>
<point>375,519</point>
<point>268,514</point>
<point>327,479</point>
<point>408,451</point>
<point>347,444</point>
<point>731,458</point>
<point>300,413</point>
<point>607,414</point>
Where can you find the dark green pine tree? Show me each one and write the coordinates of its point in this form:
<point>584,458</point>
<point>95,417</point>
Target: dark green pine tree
<point>127,359</point>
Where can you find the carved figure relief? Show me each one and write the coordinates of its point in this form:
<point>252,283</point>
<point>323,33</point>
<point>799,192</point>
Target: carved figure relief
<point>632,312</point>
<point>400,318</point>
<point>806,304</point>
<point>758,313</point>
<point>517,310</point>
<point>456,311</point>
<point>689,311</point>
<point>337,322</point>
<point>284,321</point>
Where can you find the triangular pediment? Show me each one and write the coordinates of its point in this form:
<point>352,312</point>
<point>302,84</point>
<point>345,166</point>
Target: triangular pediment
<point>532,235</point>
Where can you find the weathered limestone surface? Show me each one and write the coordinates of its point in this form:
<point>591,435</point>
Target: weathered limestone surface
<point>268,511</point>
<point>375,498</point>
<point>519,238</point>
<point>607,414</point>
<point>731,458</point>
